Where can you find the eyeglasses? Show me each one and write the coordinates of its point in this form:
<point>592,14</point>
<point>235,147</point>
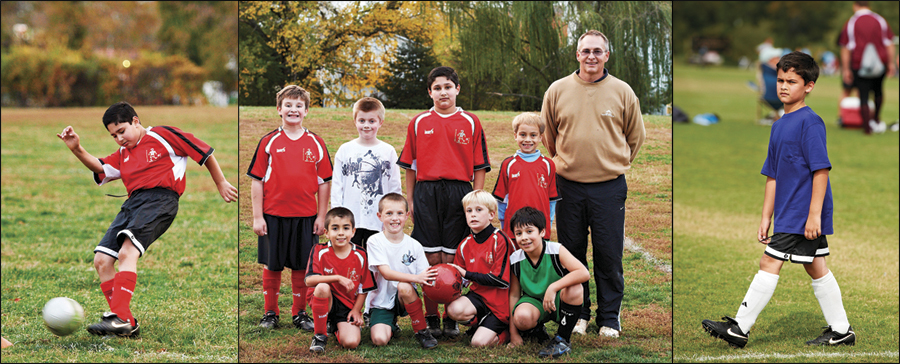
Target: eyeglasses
<point>595,52</point>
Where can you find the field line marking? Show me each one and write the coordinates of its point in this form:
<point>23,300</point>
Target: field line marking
<point>631,246</point>
<point>767,356</point>
<point>186,358</point>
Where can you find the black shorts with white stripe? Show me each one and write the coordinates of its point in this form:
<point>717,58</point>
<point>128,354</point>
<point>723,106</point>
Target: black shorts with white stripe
<point>796,248</point>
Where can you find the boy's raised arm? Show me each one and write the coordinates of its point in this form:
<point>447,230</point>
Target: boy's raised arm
<point>72,141</point>
<point>226,190</point>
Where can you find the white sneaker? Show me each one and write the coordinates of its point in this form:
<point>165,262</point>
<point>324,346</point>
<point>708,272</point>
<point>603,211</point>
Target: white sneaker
<point>877,127</point>
<point>580,327</point>
<point>609,332</point>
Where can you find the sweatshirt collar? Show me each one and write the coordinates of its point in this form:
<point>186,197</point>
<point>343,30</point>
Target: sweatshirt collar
<point>485,234</point>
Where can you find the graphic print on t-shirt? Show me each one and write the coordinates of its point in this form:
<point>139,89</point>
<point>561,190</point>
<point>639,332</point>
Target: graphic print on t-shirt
<point>367,171</point>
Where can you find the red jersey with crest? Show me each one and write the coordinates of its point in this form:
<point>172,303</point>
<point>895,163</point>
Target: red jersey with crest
<point>291,172</point>
<point>158,160</point>
<point>488,253</point>
<point>324,261</point>
<point>522,183</point>
<point>448,147</point>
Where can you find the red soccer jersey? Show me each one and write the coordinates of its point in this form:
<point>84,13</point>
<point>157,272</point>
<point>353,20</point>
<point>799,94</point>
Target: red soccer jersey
<point>490,256</point>
<point>448,147</point>
<point>522,183</point>
<point>323,261</point>
<point>158,160</point>
<point>862,28</point>
<point>291,172</point>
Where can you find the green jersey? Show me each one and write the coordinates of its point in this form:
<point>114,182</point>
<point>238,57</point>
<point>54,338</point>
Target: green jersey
<point>534,279</point>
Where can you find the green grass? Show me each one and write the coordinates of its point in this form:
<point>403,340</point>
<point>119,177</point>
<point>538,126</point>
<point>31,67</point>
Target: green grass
<point>717,210</point>
<point>53,215</point>
<point>646,315</point>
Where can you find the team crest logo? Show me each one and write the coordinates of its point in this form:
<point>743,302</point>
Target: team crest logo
<point>353,276</point>
<point>152,155</point>
<point>461,137</point>
<point>542,181</point>
<point>308,156</point>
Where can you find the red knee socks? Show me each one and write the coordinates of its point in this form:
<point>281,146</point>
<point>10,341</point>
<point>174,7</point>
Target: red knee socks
<point>271,288</point>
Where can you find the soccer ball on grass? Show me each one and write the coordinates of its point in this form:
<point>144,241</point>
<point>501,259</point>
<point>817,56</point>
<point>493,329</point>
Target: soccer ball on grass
<point>63,315</point>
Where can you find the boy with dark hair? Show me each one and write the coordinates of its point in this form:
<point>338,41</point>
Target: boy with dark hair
<point>483,260</point>
<point>444,155</point>
<point>151,162</point>
<point>545,285</point>
<point>365,170</point>
<point>291,171</point>
<point>797,162</point>
<point>527,178</point>
<point>339,274</point>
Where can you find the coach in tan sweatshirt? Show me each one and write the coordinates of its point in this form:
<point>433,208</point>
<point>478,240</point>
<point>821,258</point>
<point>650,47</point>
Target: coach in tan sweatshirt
<point>594,131</point>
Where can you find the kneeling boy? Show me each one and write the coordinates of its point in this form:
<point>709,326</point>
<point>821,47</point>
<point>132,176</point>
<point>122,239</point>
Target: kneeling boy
<point>483,259</point>
<point>545,284</point>
<point>398,263</point>
<point>339,273</point>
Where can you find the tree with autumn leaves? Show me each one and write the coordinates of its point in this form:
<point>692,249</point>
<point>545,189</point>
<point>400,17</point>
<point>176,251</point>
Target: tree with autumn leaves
<point>507,53</point>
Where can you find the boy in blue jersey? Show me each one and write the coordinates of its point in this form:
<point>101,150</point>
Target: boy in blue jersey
<point>797,162</point>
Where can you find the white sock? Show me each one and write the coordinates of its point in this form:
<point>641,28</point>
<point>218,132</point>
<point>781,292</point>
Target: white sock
<point>829,295</point>
<point>758,295</point>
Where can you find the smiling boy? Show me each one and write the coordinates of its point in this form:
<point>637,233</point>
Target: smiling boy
<point>291,172</point>
<point>797,162</point>
<point>151,162</point>
<point>545,285</point>
<point>526,178</point>
<point>338,272</point>
<point>365,170</point>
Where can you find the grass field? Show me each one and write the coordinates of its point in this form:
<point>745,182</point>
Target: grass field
<point>646,316</point>
<point>54,215</point>
<point>717,206</point>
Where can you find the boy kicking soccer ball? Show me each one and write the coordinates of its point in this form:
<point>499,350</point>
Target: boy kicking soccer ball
<point>151,162</point>
<point>797,162</point>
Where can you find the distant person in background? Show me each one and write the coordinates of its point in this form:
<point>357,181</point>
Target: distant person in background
<point>867,49</point>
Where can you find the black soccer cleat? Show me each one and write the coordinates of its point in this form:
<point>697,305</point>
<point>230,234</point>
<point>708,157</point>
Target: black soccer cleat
<point>727,330</point>
<point>303,322</point>
<point>269,321</point>
<point>425,338</point>
<point>111,324</point>
<point>555,348</point>
<point>833,338</point>
<point>136,329</point>
<point>451,328</point>
<point>318,343</point>
<point>537,334</point>
<point>434,325</point>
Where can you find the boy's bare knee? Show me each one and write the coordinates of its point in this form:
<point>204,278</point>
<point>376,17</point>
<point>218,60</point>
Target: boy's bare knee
<point>322,290</point>
<point>524,322</point>
<point>573,295</point>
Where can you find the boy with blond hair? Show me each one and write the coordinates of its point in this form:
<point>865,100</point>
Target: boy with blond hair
<point>365,169</point>
<point>398,262</point>
<point>151,162</point>
<point>527,178</point>
<point>291,170</point>
<point>483,259</point>
<point>339,275</point>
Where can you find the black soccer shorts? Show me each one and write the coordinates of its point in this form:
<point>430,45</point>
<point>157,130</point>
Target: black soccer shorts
<point>143,218</point>
<point>796,248</point>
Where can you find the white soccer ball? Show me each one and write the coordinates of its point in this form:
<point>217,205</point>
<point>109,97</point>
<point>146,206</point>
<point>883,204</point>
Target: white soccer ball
<point>63,315</point>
